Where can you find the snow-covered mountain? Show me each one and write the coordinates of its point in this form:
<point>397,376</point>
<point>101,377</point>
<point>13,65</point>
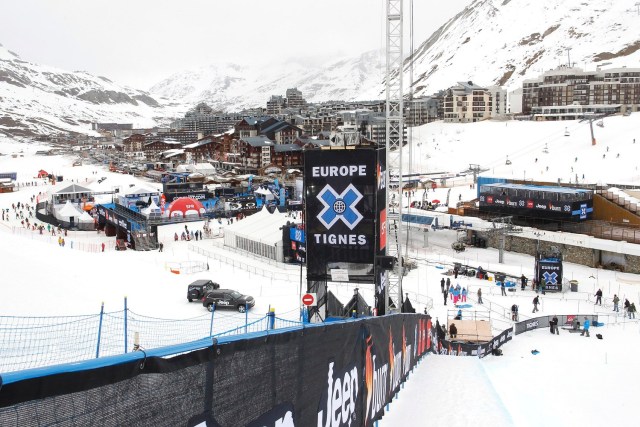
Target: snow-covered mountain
<point>37,99</point>
<point>506,41</point>
<point>231,86</point>
<point>489,42</point>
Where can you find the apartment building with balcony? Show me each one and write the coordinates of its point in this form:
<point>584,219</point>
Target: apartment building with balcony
<point>467,102</point>
<point>570,92</point>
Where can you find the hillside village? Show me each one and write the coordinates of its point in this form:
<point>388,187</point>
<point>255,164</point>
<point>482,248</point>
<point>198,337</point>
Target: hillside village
<point>277,134</point>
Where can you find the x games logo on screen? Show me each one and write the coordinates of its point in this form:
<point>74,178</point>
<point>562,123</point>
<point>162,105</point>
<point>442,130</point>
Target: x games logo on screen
<point>339,206</point>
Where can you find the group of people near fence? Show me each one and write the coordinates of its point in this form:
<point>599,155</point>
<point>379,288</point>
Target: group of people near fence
<point>629,307</point>
<point>188,235</point>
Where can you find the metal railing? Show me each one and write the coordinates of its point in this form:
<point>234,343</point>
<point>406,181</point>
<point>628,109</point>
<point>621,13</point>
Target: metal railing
<point>257,270</point>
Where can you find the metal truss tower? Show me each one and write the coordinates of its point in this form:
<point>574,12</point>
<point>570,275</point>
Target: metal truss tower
<point>394,143</point>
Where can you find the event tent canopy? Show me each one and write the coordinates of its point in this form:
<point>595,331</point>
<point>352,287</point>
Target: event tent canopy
<point>185,206</point>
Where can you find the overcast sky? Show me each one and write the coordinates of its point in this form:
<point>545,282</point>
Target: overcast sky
<point>140,42</point>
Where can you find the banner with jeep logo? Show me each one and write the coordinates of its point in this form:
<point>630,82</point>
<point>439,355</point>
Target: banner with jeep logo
<point>535,207</point>
<point>340,208</point>
<point>331,375</point>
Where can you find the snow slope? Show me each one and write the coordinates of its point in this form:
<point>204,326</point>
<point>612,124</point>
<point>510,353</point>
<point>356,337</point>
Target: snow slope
<point>574,381</point>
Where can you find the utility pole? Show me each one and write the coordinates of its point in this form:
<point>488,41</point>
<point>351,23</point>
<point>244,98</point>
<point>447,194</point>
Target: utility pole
<point>568,49</point>
<point>501,227</point>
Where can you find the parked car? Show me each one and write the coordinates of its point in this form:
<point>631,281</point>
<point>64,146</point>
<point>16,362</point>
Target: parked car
<point>228,298</point>
<point>198,289</point>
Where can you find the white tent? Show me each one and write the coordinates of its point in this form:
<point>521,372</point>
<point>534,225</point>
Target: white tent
<point>67,212</point>
<point>259,234</point>
<point>85,218</point>
<point>151,209</point>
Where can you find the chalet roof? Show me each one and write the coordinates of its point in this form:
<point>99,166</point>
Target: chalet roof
<point>199,143</point>
<point>306,141</point>
<point>74,189</point>
<point>280,148</point>
<point>315,142</point>
<point>251,121</point>
<point>257,141</point>
<point>172,153</point>
<point>168,141</point>
<point>278,126</point>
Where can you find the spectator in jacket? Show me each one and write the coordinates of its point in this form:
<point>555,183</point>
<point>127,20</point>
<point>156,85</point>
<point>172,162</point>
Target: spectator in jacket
<point>585,327</point>
<point>514,312</point>
<point>632,311</point>
<point>626,305</point>
<point>616,301</point>
<point>554,325</point>
<point>536,301</point>
<point>479,295</point>
<point>453,331</point>
<point>464,294</point>
<point>598,297</point>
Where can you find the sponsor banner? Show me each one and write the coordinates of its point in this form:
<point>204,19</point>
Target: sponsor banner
<point>564,321</point>
<point>457,348</point>
<point>113,218</point>
<point>340,214</point>
<point>296,234</point>
<point>240,204</point>
<point>346,381</point>
<point>531,324</point>
<point>524,206</point>
<point>381,200</point>
<point>197,195</point>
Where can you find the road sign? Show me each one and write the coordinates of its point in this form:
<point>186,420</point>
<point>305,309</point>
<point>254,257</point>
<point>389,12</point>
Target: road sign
<point>309,300</point>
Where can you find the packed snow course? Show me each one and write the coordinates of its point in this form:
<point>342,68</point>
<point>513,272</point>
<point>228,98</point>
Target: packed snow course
<point>573,380</point>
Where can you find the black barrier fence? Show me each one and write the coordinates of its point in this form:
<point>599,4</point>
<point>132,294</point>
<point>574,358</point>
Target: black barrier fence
<point>566,321</point>
<point>334,374</point>
<point>456,348</point>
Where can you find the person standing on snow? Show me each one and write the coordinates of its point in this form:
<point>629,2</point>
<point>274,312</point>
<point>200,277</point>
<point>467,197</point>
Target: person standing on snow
<point>553,325</point>
<point>445,295</point>
<point>514,312</point>
<point>464,294</point>
<point>626,305</point>
<point>632,311</point>
<point>479,295</point>
<point>453,331</point>
<point>598,297</point>
<point>503,289</point>
<point>451,292</point>
<point>585,327</point>
<point>616,301</point>
<point>442,285</point>
<point>536,301</point>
